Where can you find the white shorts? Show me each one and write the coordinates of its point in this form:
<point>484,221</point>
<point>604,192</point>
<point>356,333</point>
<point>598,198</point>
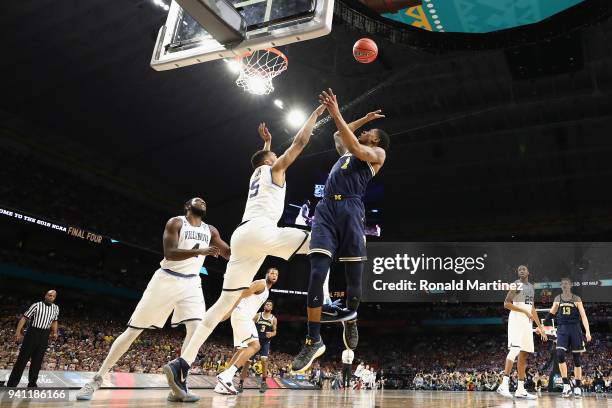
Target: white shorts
<point>166,294</point>
<point>520,332</point>
<point>252,242</point>
<point>244,329</point>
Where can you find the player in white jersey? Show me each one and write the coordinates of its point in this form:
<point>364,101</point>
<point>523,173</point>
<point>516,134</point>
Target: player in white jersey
<point>175,288</point>
<point>520,302</point>
<point>256,237</point>
<point>246,335</point>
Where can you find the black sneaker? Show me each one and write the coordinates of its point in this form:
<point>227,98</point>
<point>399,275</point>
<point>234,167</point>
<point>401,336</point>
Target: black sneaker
<point>263,386</point>
<point>240,387</point>
<point>350,334</point>
<point>333,313</point>
<point>311,350</point>
<point>176,374</point>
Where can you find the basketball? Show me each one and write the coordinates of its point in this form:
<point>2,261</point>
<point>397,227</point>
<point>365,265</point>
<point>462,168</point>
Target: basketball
<point>365,50</point>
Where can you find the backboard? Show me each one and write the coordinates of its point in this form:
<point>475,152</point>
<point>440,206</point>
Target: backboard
<point>270,23</point>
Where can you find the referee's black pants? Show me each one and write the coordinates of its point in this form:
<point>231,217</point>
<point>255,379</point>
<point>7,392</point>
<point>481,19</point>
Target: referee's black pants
<point>346,374</point>
<point>33,347</point>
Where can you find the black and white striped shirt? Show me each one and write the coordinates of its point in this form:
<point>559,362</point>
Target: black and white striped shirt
<point>41,315</point>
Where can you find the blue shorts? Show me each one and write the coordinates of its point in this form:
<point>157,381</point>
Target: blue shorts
<point>264,343</point>
<point>569,338</point>
<point>338,230</point>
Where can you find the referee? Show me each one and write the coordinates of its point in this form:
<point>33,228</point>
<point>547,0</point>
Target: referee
<point>43,319</point>
<point>347,367</point>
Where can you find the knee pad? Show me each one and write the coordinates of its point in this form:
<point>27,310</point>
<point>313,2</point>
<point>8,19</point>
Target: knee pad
<point>577,361</point>
<point>513,353</point>
<point>560,355</point>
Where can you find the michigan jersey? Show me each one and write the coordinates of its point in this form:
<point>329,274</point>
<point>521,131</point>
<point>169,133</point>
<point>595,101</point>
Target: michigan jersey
<point>251,304</point>
<point>349,177</point>
<point>568,311</point>
<point>265,198</point>
<point>190,237</point>
<point>264,325</point>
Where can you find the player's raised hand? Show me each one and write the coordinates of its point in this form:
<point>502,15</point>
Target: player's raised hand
<point>264,133</point>
<point>377,114</point>
<point>319,111</point>
<point>211,250</point>
<point>330,101</point>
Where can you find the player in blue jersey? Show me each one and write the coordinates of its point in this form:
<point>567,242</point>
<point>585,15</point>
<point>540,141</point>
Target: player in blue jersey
<point>568,312</point>
<point>338,226</point>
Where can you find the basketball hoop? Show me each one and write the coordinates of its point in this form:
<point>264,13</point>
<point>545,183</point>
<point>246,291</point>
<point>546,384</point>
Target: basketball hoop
<point>258,68</point>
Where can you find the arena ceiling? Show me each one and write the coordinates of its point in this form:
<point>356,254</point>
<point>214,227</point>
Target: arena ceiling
<point>484,142</point>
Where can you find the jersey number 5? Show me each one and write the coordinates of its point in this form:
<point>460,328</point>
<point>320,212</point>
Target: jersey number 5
<point>254,188</point>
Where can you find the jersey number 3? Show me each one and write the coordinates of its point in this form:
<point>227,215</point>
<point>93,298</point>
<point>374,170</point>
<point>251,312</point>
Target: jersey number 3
<point>254,188</point>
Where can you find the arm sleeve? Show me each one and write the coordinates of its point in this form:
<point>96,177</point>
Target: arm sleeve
<point>30,312</point>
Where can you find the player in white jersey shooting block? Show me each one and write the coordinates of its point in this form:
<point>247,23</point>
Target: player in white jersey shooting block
<point>175,288</point>
<point>246,335</point>
<point>256,237</point>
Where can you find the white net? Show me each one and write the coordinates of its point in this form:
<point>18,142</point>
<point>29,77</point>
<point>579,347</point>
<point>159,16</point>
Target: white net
<point>258,68</point>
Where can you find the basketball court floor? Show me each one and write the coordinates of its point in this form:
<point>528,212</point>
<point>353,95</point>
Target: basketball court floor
<point>318,399</point>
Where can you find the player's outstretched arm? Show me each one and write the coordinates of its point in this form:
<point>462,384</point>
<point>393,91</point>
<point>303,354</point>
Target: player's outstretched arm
<point>300,141</point>
<point>536,319</point>
<point>583,318</point>
<point>217,241</point>
<point>373,155</point>
<point>171,238</point>
<point>377,114</point>
<point>266,136</point>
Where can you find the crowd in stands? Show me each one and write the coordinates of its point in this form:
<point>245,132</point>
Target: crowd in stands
<point>440,361</point>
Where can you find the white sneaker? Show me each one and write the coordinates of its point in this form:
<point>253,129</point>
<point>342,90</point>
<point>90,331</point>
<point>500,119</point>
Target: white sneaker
<point>504,391</point>
<point>85,393</point>
<point>227,383</point>
<point>220,389</point>
<point>525,395</point>
<point>577,392</point>
<point>567,391</point>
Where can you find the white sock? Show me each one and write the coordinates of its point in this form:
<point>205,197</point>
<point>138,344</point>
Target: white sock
<point>326,298</point>
<point>118,349</point>
<point>190,328</point>
<point>521,385</point>
<point>506,381</point>
<point>231,371</point>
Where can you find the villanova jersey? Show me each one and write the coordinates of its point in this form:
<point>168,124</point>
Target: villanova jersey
<point>349,177</point>
<point>568,312</point>
<point>251,304</point>
<point>190,237</point>
<point>265,198</point>
<point>525,297</point>
<point>264,325</point>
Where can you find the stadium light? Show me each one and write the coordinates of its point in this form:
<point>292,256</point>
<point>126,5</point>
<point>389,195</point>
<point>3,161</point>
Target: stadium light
<point>279,103</point>
<point>232,65</point>
<point>296,118</point>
